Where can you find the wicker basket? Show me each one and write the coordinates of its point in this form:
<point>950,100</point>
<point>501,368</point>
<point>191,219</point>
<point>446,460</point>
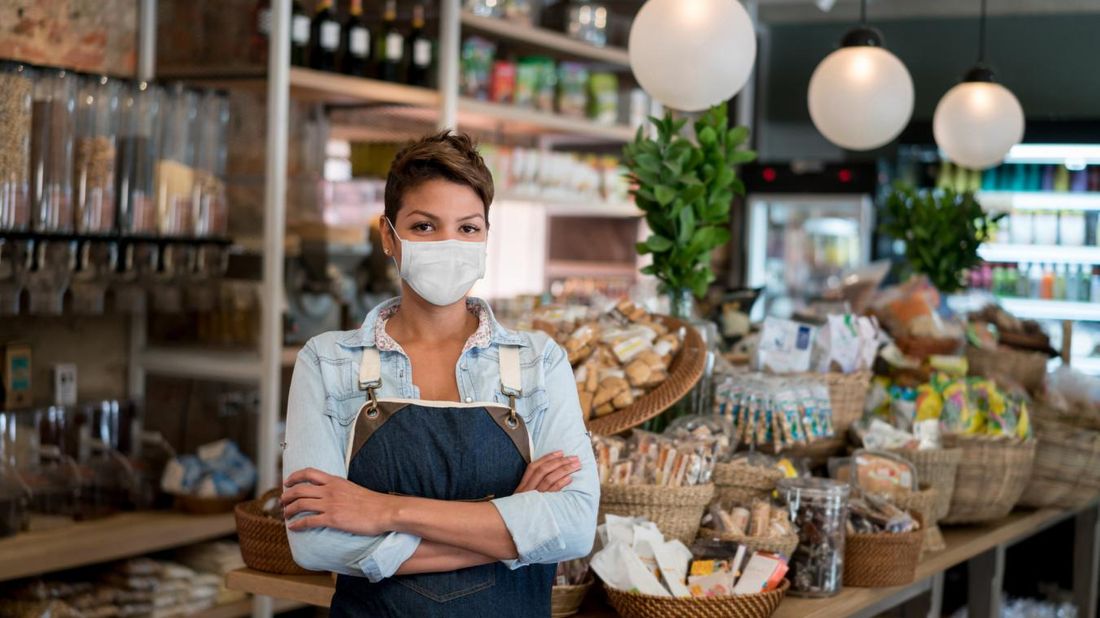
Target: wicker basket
<point>205,506</point>
<point>783,545</point>
<point>817,453</point>
<point>993,473</point>
<point>923,347</point>
<point>847,396</point>
<point>635,605</point>
<point>741,483</point>
<point>1066,473</point>
<point>882,559</point>
<point>1028,369</point>
<point>683,373</point>
<point>923,503</point>
<point>264,545</point>
<point>937,468</point>
<point>677,511</point>
<point>566,600</point>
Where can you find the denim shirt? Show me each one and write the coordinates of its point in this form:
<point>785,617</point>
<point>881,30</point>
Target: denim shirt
<point>325,398</point>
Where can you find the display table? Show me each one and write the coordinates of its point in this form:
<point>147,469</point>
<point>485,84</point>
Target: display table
<point>983,547</point>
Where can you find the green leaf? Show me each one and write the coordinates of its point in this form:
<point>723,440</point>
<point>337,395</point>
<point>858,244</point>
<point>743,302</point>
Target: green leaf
<point>649,270</point>
<point>690,180</point>
<point>708,136</point>
<point>674,166</point>
<point>737,135</point>
<point>658,244</point>
<point>742,156</point>
<point>664,194</point>
<point>724,178</point>
<point>687,225</point>
<point>648,162</point>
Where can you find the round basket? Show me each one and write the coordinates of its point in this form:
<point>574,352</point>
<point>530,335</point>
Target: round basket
<point>847,396</point>
<point>636,605</point>
<point>783,545</point>
<point>205,506</point>
<point>684,371</point>
<point>676,510</point>
<point>937,468</point>
<point>923,503</point>
<point>742,483</point>
<point>923,347</point>
<point>882,559</point>
<point>1066,473</point>
<point>1028,369</point>
<point>264,545</point>
<point>817,452</point>
<point>993,473</point>
<point>566,600</point>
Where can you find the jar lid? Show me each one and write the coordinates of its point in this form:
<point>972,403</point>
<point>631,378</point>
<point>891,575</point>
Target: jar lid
<point>816,487</point>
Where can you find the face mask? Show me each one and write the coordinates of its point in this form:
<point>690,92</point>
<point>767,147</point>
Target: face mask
<point>441,271</point>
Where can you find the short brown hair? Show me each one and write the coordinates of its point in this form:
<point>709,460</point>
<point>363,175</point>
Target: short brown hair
<point>447,156</point>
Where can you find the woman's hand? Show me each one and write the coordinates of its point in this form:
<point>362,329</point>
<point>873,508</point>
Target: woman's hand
<point>335,503</point>
<point>551,472</point>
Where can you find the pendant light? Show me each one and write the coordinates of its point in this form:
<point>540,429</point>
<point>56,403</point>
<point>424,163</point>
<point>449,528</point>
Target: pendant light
<point>978,121</point>
<point>692,54</point>
<point>860,96</point>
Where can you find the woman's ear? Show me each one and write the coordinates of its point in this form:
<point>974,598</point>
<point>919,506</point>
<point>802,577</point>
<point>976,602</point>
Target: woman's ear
<point>385,233</point>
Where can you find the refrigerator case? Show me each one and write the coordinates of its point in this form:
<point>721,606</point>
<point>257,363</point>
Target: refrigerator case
<point>801,243</point>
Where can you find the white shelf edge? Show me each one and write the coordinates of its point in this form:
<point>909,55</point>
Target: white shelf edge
<point>1006,252</point>
<point>1038,200</point>
<point>1041,309</point>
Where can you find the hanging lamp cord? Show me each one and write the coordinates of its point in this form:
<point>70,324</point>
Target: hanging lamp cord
<point>981,35</point>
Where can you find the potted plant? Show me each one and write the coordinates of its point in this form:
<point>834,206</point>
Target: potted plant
<point>685,188</point>
<point>942,231</point>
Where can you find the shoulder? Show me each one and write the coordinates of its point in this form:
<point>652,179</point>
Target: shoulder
<point>331,345</point>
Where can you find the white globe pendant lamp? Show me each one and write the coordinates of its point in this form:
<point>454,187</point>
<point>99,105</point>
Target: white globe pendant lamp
<point>978,121</point>
<point>692,54</point>
<point>860,96</point>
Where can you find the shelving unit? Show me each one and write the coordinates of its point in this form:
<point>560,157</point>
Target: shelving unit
<point>112,538</point>
<point>1037,200</point>
<point>1007,253</point>
<point>547,40</point>
<point>1041,309</point>
<point>243,609</point>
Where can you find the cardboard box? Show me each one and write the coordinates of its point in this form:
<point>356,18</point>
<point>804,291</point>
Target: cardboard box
<point>16,373</point>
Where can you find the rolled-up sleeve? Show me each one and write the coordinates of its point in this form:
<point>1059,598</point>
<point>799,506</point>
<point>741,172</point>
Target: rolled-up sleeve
<point>315,440</point>
<point>555,526</point>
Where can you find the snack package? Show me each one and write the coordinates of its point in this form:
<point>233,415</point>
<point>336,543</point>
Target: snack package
<point>785,346</point>
<point>603,98</point>
<point>619,567</point>
<point>846,343</point>
<point>502,86</point>
<point>885,474</point>
<point>572,84</point>
<point>477,62</point>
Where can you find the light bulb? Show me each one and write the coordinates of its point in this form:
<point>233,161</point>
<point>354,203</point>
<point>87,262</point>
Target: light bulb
<point>977,122</point>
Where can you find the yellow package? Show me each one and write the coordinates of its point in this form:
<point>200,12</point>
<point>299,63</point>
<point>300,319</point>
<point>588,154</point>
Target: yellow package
<point>1023,424</point>
<point>929,403</point>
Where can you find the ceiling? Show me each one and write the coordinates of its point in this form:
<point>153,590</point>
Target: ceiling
<point>806,11</point>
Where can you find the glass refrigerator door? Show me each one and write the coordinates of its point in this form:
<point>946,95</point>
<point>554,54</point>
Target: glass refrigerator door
<point>798,242</point>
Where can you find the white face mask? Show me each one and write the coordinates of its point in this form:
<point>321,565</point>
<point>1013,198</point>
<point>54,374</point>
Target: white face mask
<point>441,271</point>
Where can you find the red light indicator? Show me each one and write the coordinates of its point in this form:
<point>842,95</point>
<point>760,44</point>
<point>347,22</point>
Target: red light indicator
<point>769,174</point>
<point>844,175</point>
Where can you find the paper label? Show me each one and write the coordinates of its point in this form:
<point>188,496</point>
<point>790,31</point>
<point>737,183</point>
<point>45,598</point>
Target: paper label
<point>359,42</point>
<point>299,29</point>
<point>330,35</point>
<point>395,44</point>
<point>263,21</point>
<point>422,53</point>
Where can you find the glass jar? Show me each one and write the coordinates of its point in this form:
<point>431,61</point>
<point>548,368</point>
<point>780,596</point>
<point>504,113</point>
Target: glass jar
<point>16,90</point>
<point>587,21</point>
<point>211,212</point>
<point>175,170</point>
<point>818,508</point>
<point>52,130</point>
<point>137,157</point>
<point>95,155</point>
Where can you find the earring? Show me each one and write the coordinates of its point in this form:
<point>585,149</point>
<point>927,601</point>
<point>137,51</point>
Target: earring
<point>386,251</point>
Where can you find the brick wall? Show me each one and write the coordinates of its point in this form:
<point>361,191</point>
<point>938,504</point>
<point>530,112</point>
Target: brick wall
<point>97,36</point>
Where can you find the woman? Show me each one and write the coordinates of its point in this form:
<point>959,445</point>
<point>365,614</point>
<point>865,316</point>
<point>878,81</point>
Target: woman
<point>436,460</point>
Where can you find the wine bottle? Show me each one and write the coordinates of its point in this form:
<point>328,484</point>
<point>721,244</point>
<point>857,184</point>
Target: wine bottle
<point>418,50</point>
<point>355,53</point>
<point>324,38</point>
<point>299,34</point>
<point>259,39</point>
<point>391,45</point>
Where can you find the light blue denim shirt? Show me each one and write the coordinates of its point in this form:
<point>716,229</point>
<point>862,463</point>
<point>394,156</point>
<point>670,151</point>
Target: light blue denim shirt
<point>325,398</point>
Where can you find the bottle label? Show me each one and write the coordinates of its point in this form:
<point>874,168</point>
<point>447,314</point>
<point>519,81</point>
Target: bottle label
<point>422,53</point>
<point>330,35</point>
<point>359,42</point>
<point>263,21</point>
<point>299,29</point>
<point>395,46</point>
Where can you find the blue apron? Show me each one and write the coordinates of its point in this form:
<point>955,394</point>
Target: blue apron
<point>443,451</point>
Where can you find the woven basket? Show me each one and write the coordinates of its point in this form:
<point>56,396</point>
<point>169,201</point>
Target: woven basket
<point>783,545</point>
<point>923,503</point>
<point>264,545</point>
<point>882,559</point>
<point>684,371</point>
<point>741,484</point>
<point>566,600</point>
<point>817,452</point>
<point>676,510</point>
<point>636,605</point>
<point>993,473</point>
<point>1066,473</point>
<point>937,468</point>
<point>205,506</point>
<point>923,347</point>
<point>847,396</point>
<point>1028,369</point>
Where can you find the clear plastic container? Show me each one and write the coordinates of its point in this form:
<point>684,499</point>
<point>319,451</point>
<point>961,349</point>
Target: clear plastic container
<point>1071,228</point>
<point>53,121</point>
<point>95,155</point>
<point>139,115</point>
<point>175,175</point>
<point>819,510</point>
<point>1045,227</point>
<point>587,21</point>
<point>211,211</point>
<point>16,94</point>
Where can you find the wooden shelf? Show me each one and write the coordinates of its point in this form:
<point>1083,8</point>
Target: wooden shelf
<point>310,589</point>
<point>243,609</point>
<point>202,363</point>
<point>511,119</point>
<point>111,538</point>
<point>544,39</point>
<point>582,268</point>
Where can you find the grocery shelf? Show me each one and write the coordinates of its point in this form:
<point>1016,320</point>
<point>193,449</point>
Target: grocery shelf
<point>1061,254</point>
<point>1041,309</point>
<point>548,40</point>
<point>570,208</point>
<point>310,589</point>
<point>111,538</point>
<point>243,609</point>
<point>486,115</point>
<point>1086,364</point>
<point>584,268</point>
<point>1038,200</point>
<point>203,363</point>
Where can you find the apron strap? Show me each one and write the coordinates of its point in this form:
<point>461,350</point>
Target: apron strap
<point>510,382</point>
<point>370,369</point>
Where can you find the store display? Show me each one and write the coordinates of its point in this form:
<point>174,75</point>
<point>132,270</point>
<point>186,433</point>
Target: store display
<point>94,155</point>
<point>16,88</point>
<point>51,151</point>
<point>571,583</point>
<point>783,411</point>
<point>390,46</point>
<point>757,525</point>
<point>572,89</point>
<point>324,37</point>
<point>299,35</point>
<point>261,529</point>
<point>603,98</point>
<point>211,208</point>
<point>587,21</point>
<point>16,375</point>
<point>649,459</point>
<point>477,66</point>
<point>819,510</point>
<point>356,47</point>
<point>883,544</point>
<point>175,171</point>
<point>419,52</point>
<point>138,150</point>
<point>218,471</point>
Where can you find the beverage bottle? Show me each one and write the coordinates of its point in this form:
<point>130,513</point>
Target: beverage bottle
<point>324,37</point>
<point>1059,292</point>
<point>1094,293</point>
<point>1046,284</point>
<point>1023,283</point>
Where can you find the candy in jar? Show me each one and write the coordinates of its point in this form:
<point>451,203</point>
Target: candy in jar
<point>818,508</point>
